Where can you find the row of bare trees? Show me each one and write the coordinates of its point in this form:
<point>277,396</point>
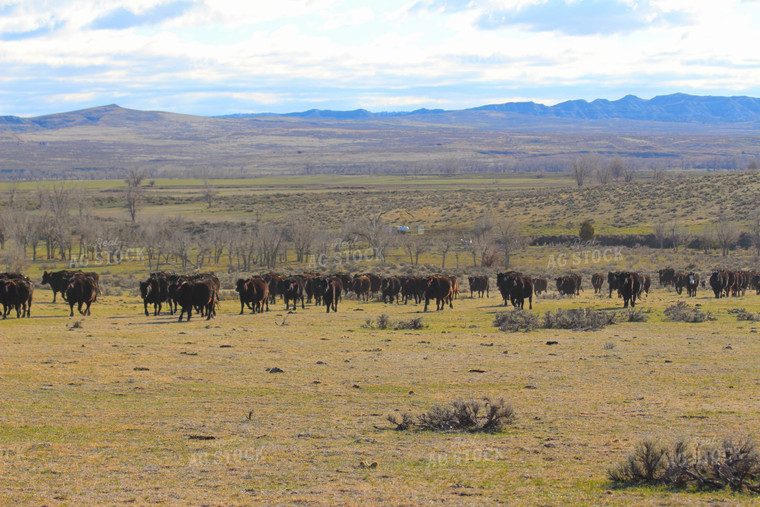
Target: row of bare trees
<point>722,235</point>
<point>585,169</point>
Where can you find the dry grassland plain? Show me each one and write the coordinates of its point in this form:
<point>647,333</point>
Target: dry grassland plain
<point>118,407</point>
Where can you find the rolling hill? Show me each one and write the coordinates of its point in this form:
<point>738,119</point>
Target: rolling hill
<point>673,131</point>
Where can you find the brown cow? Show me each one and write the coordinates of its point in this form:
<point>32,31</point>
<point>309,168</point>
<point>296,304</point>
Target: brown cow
<point>479,284</point>
<point>597,282</point>
<point>540,285</point>
<point>361,286</point>
<point>441,289</point>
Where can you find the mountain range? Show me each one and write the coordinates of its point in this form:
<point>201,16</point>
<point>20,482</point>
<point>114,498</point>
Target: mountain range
<point>678,131</point>
<point>676,108</point>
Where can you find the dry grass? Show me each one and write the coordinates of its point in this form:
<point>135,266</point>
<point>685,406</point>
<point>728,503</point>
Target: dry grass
<point>119,407</point>
<point>106,413</point>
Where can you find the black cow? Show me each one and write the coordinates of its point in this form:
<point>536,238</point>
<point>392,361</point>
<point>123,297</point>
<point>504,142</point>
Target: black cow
<point>667,276</point>
<point>520,288</point>
<point>719,282</point>
<point>540,285</point>
<point>82,290</point>
<point>330,290</point>
<point>439,288</point>
<point>567,285</point>
<point>613,282</point>
<point>16,292</point>
<point>292,289</point>
<point>692,282</point>
<point>58,281</point>
<point>196,293</point>
<point>629,286</point>
<point>501,284</point>
<point>155,290</point>
<point>479,284</point>
<point>254,293</point>
<point>391,289</point>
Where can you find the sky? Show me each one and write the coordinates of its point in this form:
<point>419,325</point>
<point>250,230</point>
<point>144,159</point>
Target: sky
<point>215,57</point>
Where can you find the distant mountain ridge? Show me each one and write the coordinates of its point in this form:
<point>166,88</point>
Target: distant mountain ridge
<point>678,107</point>
<point>689,111</point>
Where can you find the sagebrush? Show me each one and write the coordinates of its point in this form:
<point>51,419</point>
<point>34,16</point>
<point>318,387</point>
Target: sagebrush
<point>473,416</point>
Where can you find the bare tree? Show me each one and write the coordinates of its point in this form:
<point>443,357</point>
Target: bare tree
<point>374,230</point>
<point>216,239</point>
<point>203,248</point>
<point>21,222</point>
<point>3,230</point>
<point>444,245</point>
<point>583,168</point>
<point>629,173</point>
<point>660,230</point>
<point>35,234</point>
<point>754,231</point>
<point>12,191</point>
<point>179,241</point>
<point>482,239</point>
<point>154,236</point>
<point>509,240</point>
<point>678,235</point>
<point>415,246</point>
<point>603,174</point>
<point>209,193</point>
<point>270,241</point>
<point>726,234</point>
<point>617,168</point>
<point>302,235</point>
<point>134,192</point>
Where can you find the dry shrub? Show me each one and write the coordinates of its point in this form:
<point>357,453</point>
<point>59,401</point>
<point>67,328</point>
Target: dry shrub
<point>415,323</point>
<point>682,312</point>
<point>635,315</point>
<point>580,319</point>
<point>645,464</point>
<point>385,322</point>
<point>403,423</point>
<point>743,314</point>
<point>472,416</point>
<point>516,320</point>
<point>734,464</point>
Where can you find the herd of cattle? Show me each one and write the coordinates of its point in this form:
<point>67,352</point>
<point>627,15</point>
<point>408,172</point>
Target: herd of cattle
<point>200,292</point>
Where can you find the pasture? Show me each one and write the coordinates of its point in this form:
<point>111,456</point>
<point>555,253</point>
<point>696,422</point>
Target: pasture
<point>118,407</point>
<point>122,408</point>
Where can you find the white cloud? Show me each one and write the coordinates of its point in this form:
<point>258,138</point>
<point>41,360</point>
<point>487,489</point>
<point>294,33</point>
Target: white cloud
<point>381,55</point>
